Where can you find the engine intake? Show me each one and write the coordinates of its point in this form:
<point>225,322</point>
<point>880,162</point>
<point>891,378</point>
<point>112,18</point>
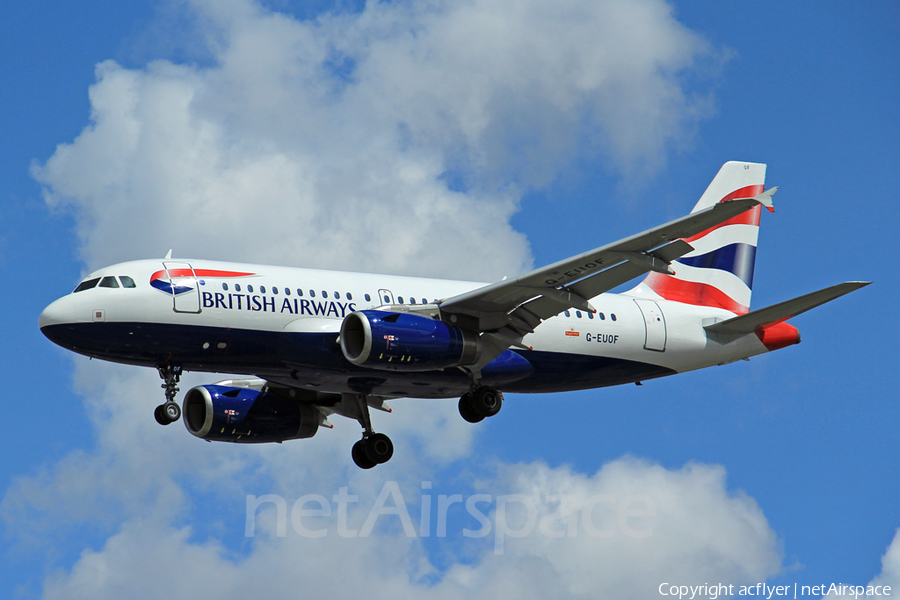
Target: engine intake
<point>229,414</point>
<point>405,342</point>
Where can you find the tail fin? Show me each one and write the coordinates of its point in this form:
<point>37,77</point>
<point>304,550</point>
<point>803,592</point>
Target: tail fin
<point>719,271</point>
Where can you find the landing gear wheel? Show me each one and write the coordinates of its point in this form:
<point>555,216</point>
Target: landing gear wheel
<point>374,448</point>
<point>379,448</point>
<point>359,456</point>
<point>486,401</point>
<point>172,411</point>
<point>167,413</point>
<point>467,411</point>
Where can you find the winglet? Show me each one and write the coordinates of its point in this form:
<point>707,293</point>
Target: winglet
<point>766,198</point>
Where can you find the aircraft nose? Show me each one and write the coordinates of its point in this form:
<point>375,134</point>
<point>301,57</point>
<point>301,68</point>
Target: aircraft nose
<point>59,312</point>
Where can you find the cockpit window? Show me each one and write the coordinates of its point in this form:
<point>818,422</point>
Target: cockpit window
<point>109,282</point>
<point>127,281</point>
<point>86,285</point>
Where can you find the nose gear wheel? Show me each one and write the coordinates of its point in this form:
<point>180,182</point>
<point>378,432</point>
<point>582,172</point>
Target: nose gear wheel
<point>169,411</point>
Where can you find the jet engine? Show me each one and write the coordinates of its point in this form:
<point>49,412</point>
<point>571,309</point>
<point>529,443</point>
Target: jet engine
<point>247,416</point>
<point>405,342</point>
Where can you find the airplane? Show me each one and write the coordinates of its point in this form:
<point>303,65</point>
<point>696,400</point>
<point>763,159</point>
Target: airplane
<point>318,343</point>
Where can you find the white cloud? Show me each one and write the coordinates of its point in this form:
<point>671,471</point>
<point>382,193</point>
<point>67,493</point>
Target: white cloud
<point>696,531</point>
<point>889,576</point>
<point>890,566</point>
<point>398,139</point>
<point>634,525</point>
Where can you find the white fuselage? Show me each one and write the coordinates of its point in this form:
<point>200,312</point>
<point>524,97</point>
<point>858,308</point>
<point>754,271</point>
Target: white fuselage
<point>282,323</point>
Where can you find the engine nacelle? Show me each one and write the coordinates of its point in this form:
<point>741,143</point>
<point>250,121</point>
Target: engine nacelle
<point>405,342</point>
<point>230,414</point>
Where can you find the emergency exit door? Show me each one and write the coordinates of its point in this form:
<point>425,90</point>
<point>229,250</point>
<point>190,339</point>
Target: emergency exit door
<point>654,325</point>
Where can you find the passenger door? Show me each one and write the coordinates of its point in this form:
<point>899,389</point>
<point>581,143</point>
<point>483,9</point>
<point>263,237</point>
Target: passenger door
<point>184,286</point>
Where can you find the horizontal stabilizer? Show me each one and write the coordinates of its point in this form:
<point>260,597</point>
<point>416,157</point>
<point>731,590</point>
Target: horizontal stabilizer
<point>783,310</point>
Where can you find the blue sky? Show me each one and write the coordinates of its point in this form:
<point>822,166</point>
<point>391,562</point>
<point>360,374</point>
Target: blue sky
<point>803,442</point>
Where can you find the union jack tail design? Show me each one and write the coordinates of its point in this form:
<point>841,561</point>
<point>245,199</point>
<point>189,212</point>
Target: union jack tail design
<point>719,271</point>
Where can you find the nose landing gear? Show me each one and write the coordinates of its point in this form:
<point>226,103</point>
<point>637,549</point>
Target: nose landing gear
<point>169,412</point>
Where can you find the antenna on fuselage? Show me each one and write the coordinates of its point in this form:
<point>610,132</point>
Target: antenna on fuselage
<point>168,254</point>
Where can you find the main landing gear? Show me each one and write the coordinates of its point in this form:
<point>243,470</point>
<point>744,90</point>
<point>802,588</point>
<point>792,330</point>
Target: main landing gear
<point>169,412</point>
<point>484,401</point>
<point>374,448</point>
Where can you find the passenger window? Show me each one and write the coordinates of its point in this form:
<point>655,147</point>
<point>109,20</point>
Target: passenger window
<point>312,293</point>
<point>250,288</point>
<point>287,291</point>
<point>299,292</point>
<point>275,290</point>
<point>400,299</point>
<point>337,295</point>
<point>86,285</point>
<point>109,282</point>
<point>225,286</point>
<point>262,289</point>
<point>368,298</point>
<point>349,296</point>
<point>568,314</point>
<point>424,301</point>
<point>324,294</point>
<point>578,313</point>
<point>387,299</point>
<point>602,316</point>
<point>127,282</point>
<point>412,300</point>
<point>613,316</point>
<point>590,315</point>
<point>237,287</point>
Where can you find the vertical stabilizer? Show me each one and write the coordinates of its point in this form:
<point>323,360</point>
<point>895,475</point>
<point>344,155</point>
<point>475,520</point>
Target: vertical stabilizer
<point>719,271</point>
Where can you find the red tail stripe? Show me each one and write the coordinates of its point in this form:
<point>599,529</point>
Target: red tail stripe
<point>750,191</point>
<point>750,217</point>
<point>689,292</point>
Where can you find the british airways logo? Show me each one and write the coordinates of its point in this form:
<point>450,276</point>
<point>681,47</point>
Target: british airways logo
<point>263,303</point>
<point>167,282</point>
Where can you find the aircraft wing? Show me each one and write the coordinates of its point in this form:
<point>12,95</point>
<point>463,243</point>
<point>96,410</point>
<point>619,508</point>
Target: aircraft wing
<point>504,312</point>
